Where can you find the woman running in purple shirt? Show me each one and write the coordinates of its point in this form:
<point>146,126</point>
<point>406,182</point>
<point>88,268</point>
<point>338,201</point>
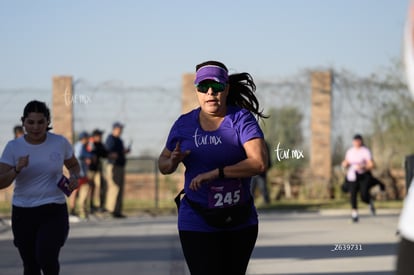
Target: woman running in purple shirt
<point>221,146</point>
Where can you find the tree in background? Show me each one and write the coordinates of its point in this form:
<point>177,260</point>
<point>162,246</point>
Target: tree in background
<point>283,132</point>
<point>383,102</point>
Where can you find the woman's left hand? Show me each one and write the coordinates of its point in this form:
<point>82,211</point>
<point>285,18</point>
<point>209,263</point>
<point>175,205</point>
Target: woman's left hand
<point>203,178</point>
<point>73,183</point>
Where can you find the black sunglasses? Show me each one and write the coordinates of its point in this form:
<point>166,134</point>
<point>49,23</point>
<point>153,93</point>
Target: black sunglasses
<point>215,86</point>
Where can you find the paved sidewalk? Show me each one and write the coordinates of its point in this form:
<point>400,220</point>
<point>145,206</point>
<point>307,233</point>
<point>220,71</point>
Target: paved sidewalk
<point>290,243</point>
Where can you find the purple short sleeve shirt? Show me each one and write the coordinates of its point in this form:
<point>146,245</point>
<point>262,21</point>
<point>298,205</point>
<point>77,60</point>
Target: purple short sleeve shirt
<point>210,150</point>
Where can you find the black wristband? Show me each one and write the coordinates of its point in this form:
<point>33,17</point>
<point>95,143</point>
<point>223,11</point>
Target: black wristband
<point>15,170</point>
<point>221,172</point>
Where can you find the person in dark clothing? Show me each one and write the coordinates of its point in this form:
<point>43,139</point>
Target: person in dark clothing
<point>98,151</point>
<point>261,181</point>
<point>115,170</point>
<point>18,131</point>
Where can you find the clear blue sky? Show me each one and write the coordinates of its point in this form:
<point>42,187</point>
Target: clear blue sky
<point>153,42</point>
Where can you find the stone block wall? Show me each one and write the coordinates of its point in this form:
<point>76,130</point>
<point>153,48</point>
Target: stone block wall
<point>62,106</point>
<point>321,114</point>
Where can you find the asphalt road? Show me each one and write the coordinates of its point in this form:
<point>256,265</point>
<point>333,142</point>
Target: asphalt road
<point>292,243</point>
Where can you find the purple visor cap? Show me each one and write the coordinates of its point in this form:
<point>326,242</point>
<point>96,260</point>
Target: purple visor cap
<point>211,72</point>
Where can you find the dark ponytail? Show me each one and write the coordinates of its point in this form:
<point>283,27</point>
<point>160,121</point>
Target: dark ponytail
<point>241,93</point>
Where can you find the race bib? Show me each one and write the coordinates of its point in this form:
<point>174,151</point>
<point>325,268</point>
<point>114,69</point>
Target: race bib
<point>229,193</point>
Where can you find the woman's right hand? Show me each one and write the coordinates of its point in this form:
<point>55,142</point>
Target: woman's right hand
<point>177,155</point>
<point>22,162</point>
<point>168,161</point>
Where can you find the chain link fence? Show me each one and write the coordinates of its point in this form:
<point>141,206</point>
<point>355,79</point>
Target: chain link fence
<point>149,112</point>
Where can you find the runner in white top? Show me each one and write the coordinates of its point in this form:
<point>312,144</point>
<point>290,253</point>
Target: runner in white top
<point>35,163</point>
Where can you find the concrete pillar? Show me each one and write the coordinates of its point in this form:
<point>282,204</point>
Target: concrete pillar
<point>62,106</point>
<point>321,113</point>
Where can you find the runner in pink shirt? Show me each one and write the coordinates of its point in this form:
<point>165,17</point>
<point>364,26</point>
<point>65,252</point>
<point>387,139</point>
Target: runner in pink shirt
<point>358,162</point>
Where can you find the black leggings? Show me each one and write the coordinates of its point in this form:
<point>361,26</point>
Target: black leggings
<point>362,184</point>
<point>39,233</point>
<point>218,253</point>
